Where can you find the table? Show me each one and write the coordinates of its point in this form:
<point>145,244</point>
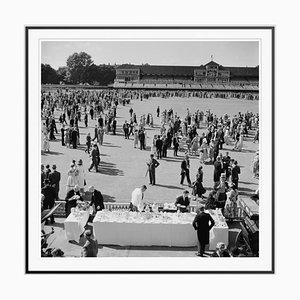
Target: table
<point>153,229</point>
<point>74,225</point>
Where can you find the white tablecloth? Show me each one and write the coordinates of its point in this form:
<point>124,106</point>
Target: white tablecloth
<point>74,226</point>
<point>152,232</point>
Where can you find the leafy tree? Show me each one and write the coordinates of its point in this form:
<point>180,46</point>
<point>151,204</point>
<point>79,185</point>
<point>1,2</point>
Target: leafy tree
<point>48,74</point>
<point>78,66</point>
<point>63,74</point>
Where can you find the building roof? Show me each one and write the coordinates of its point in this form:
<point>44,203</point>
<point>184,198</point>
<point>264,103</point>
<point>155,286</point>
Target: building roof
<point>189,70</point>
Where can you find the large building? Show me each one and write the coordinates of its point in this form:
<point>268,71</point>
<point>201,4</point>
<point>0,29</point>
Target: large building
<point>204,76</point>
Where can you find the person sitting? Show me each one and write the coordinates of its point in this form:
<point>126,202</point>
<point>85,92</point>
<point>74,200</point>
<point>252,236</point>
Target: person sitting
<point>221,251</point>
<point>71,199</point>
<point>183,201</point>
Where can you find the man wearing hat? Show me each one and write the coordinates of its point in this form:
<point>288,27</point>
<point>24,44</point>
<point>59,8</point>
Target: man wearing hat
<point>50,195</point>
<point>90,248</point>
<point>185,170</point>
<point>97,198</point>
<point>183,201</point>
<point>54,178</point>
<point>203,223</point>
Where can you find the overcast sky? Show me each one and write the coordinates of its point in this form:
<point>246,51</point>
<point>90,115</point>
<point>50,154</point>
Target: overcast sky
<point>189,53</point>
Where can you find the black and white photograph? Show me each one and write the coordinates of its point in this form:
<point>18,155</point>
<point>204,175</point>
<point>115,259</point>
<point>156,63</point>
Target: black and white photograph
<point>155,148</point>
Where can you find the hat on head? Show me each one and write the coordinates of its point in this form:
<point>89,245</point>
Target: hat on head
<point>54,167</point>
<point>80,162</point>
<point>88,232</point>
<point>186,192</point>
<point>46,181</point>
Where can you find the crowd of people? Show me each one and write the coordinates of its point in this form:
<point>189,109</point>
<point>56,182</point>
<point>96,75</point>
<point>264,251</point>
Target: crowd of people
<point>175,133</point>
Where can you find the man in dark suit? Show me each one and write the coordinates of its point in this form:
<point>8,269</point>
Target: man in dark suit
<point>114,126</point>
<point>142,139</point>
<point>97,199</point>
<point>71,201</point>
<point>74,138</point>
<point>63,135</point>
<point>158,145</point>
<point>217,170</point>
<point>183,201</point>
<point>235,171</point>
<point>126,129</point>
<point>50,195</point>
<point>152,165</point>
<point>185,170</point>
<point>94,155</point>
<point>226,163</point>
<point>203,223</point>
<point>54,178</point>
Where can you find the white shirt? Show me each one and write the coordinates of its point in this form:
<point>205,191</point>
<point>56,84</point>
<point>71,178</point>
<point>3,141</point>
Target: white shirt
<point>137,197</point>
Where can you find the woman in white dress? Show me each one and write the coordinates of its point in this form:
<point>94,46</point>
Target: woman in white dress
<point>195,145</point>
<point>203,151</point>
<point>46,143</point>
<point>80,177</point>
<point>71,178</point>
<point>226,136</point>
<point>239,146</point>
<point>230,209</point>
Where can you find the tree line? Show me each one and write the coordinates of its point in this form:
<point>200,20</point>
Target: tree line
<point>79,69</point>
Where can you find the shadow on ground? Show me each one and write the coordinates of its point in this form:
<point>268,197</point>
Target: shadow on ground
<point>169,186</point>
<point>110,169</point>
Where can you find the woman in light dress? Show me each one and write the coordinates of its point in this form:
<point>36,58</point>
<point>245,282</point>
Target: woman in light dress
<point>136,139</point>
<point>239,146</point>
<point>255,165</point>
<point>80,175</point>
<point>230,209</point>
<point>71,178</point>
<point>195,145</point>
<point>46,143</point>
<point>226,136</point>
<point>203,152</point>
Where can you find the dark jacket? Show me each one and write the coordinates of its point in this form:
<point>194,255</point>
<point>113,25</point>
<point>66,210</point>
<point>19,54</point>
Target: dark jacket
<point>217,171</point>
<point>203,223</point>
<point>152,164</point>
<point>159,144</point>
<point>235,171</point>
<point>54,178</point>
<point>97,200</point>
<point>182,201</point>
<point>50,195</point>
<point>185,164</point>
